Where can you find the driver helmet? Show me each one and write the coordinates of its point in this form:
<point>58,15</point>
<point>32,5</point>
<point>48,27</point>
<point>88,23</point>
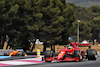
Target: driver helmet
<point>70,44</point>
<point>70,47</point>
<point>14,49</point>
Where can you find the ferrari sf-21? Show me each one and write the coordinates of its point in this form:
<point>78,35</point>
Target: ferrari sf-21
<point>70,53</point>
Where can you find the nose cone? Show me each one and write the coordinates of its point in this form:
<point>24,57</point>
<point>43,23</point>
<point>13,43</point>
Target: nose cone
<point>61,54</point>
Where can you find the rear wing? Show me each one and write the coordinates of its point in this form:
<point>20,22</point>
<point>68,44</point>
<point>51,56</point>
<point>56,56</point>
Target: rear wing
<point>84,45</point>
<point>81,44</point>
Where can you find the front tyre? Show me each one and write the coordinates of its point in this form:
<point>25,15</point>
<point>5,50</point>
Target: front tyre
<point>17,54</point>
<point>48,53</point>
<point>78,54</point>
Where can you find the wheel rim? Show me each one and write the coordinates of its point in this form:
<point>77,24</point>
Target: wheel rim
<point>96,56</point>
<point>80,57</point>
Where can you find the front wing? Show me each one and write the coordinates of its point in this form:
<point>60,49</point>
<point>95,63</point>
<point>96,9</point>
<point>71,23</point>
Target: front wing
<point>49,59</point>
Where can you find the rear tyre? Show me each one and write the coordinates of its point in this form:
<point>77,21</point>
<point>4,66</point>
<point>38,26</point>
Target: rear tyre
<point>91,54</point>
<point>17,54</point>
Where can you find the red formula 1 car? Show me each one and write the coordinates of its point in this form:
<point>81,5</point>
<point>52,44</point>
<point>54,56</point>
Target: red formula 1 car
<point>70,53</point>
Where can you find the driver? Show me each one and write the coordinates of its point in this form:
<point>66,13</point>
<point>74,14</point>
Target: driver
<point>70,44</point>
<point>69,47</point>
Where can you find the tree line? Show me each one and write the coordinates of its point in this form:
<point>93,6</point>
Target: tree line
<point>89,25</point>
<point>51,21</point>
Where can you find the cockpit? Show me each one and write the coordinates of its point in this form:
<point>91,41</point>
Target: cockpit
<point>68,46</point>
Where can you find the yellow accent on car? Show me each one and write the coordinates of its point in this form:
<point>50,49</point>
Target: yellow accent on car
<point>61,54</point>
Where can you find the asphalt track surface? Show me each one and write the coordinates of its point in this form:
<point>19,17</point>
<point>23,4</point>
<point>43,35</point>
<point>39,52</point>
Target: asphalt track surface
<point>15,57</point>
<point>84,63</point>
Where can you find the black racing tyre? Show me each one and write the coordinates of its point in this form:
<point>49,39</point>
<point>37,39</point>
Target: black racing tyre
<point>91,54</point>
<point>48,53</point>
<point>78,53</point>
<point>42,58</point>
<point>48,61</point>
<point>17,54</point>
<point>23,54</point>
<point>55,54</point>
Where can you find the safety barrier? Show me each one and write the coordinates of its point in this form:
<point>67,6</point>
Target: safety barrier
<point>5,51</point>
<point>38,52</point>
<point>34,53</point>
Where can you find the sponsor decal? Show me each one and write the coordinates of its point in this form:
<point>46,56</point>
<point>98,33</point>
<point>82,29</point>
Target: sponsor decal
<point>62,52</point>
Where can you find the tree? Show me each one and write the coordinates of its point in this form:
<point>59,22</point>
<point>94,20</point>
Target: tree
<point>84,29</point>
<point>4,22</point>
<point>95,24</point>
<point>57,19</point>
<point>50,31</point>
<point>16,18</point>
<point>95,9</point>
<point>69,17</point>
<point>83,13</point>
